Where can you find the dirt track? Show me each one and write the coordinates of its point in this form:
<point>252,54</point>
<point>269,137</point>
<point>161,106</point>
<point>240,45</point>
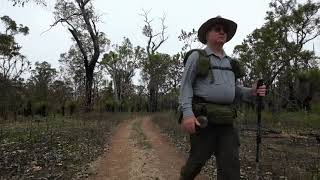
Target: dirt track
<point>138,151</point>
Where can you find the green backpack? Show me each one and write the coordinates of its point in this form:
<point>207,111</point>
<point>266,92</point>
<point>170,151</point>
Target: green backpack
<point>203,70</point>
<point>204,66</point>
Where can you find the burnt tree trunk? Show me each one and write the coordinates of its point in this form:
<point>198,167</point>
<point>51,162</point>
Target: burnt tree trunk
<point>89,84</point>
<point>89,60</point>
<point>152,98</point>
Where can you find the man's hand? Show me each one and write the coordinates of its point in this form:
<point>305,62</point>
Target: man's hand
<point>189,124</point>
<point>261,91</point>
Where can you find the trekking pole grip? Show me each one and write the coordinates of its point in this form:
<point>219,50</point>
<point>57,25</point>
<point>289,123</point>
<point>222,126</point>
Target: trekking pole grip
<point>259,84</point>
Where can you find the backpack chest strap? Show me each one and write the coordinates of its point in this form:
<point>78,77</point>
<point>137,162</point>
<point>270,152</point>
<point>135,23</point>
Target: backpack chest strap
<point>221,68</point>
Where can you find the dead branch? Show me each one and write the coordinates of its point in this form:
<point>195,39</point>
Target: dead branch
<point>154,44</point>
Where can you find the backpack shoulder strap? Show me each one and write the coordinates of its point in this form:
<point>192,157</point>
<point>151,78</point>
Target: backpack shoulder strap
<point>201,52</point>
<point>203,63</point>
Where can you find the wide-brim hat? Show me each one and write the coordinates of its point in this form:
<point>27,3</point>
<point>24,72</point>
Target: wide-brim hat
<point>231,28</point>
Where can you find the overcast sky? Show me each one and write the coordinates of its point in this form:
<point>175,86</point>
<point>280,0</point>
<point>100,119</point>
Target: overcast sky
<point>120,18</point>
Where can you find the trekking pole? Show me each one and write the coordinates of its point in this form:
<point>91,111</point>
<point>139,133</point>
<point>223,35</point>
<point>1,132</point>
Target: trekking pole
<point>259,107</point>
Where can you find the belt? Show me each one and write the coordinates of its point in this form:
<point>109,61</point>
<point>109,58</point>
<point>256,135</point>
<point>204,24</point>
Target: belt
<point>197,99</point>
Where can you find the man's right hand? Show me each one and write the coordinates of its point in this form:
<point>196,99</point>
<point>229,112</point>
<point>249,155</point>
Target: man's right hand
<point>189,124</point>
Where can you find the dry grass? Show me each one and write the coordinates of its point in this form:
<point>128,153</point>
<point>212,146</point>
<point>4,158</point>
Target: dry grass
<point>54,147</point>
<point>285,154</point>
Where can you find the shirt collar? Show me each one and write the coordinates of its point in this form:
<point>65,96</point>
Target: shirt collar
<point>210,52</point>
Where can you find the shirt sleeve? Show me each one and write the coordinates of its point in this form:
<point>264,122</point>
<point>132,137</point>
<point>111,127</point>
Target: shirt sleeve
<point>186,89</point>
<point>245,93</point>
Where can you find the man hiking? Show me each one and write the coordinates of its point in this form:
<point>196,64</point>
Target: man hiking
<point>209,89</point>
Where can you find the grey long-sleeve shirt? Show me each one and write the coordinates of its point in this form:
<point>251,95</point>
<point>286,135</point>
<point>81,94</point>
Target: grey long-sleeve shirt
<point>222,91</point>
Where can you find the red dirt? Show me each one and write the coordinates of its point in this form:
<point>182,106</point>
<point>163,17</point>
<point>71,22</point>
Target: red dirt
<point>127,160</point>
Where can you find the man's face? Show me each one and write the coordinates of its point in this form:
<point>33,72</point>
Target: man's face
<point>217,34</point>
